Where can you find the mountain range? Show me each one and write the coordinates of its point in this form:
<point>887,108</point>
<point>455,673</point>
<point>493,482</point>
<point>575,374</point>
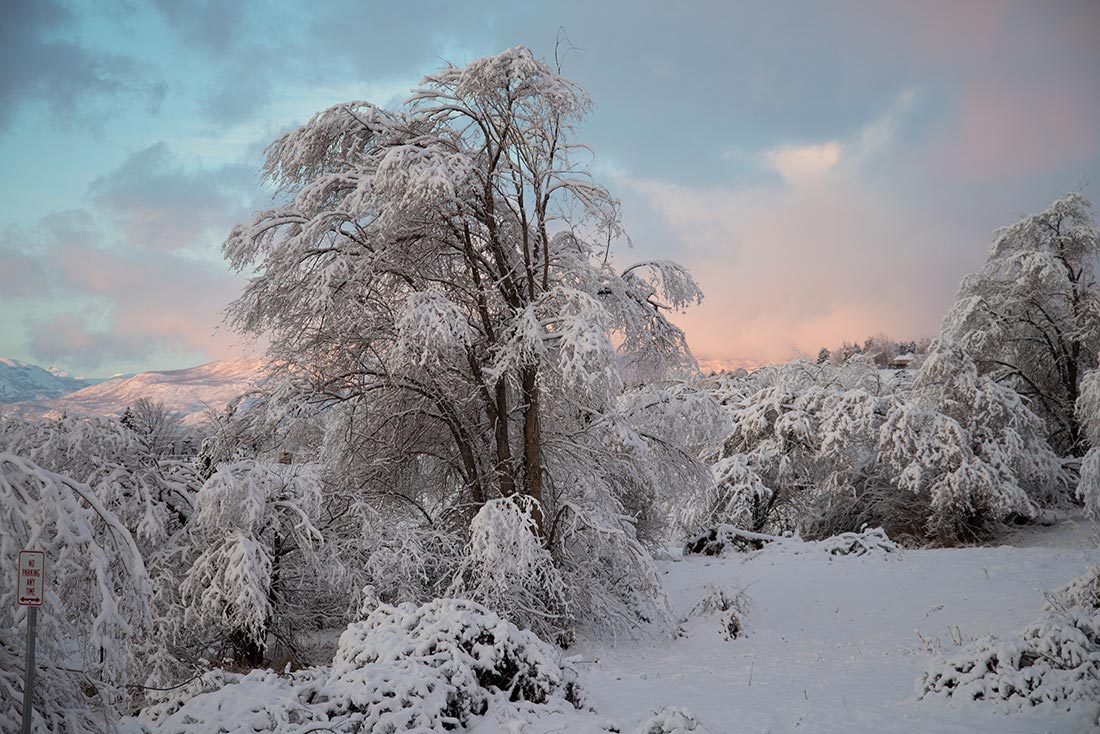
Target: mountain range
<point>22,381</point>
<point>33,391</point>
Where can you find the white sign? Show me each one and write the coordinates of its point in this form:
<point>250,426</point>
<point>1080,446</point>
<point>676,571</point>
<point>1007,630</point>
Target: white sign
<point>32,578</point>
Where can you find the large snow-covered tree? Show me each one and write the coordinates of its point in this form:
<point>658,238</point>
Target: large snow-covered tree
<point>1031,316</point>
<point>441,279</point>
<point>797,431</point>
<point>159,428</point>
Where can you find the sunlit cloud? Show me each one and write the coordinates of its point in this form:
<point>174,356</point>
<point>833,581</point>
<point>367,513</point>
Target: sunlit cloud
<point>91,302</point>
<point>799,164</point>
<point>162,205</point>
<point>1020,130</point>
<point>823,259</point>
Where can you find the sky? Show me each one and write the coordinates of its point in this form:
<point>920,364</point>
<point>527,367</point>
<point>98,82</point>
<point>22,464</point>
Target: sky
<point>828,170</point>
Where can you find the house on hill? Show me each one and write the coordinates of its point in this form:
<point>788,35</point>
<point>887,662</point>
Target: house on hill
<point>903,361</point>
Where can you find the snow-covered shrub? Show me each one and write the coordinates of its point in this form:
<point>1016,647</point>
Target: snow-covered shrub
<point>444,666</point>
<point>1053,661</point>
<point>438,665</point>
<point>96,600</point>
<point>858,544</point>
<point>236,703</point>
<point>671,720</point>
<point>509,569</point>
<point>722,537</point>
<point>716,540</point>
<point>725,610</point>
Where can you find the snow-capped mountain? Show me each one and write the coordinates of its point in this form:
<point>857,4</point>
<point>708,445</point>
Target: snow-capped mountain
<point>190,391</point>
<point>22,381</point>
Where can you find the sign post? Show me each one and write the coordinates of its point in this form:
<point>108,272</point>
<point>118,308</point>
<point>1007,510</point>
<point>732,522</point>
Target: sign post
<point>31,588</point>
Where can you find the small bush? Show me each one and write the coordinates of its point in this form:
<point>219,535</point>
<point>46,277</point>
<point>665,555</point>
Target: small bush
<point>715,541</point>
<point>727,608</point>
<point>672,720</point>
<point>1053,661</point>
<point>858,544</point>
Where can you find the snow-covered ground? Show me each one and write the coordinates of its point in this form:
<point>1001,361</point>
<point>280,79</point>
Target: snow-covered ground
<point>836,644</point>
<point>830,644</point>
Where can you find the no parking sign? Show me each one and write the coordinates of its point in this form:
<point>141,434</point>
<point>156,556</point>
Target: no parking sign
<point>30,589</point>
<point>32,578</point>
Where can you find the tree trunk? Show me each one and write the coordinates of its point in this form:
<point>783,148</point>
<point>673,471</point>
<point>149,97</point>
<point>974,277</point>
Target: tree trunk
<point>503,447</point>
<point>532,441</point>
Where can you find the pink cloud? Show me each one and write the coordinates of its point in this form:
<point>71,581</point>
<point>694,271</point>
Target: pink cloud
<point>69,337</point>
<point>160,204</point>
<point>790,270</point>
<point>1020,75</point>
<point>168,299</point>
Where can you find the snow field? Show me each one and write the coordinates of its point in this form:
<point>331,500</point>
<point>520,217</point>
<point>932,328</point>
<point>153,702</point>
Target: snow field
<point>834,644</point>
<point>829,644</point>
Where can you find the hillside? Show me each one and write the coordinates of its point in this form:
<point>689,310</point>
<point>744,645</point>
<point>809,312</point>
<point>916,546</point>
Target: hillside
<point>21,381</point>
<point>190,391</point>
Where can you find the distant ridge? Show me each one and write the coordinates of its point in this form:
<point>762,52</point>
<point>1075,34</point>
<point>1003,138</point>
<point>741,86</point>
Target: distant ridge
<point>21,381</point>
<point>729,365</point>
<point>191,391</point>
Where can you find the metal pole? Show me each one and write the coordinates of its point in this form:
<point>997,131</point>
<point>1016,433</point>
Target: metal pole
<point>28,678</point>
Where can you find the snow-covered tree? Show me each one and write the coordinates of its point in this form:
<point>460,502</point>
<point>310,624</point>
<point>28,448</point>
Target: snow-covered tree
<point>779,456</point>
<point>152,496</point>
<point>441,280</point>
<point>252,569</point>
<point>96,600</point>
<point>1031,316</point>
<point>971,446</point>
<point>825,449</point>
<point>159,428</point>
<point>1088,415</point>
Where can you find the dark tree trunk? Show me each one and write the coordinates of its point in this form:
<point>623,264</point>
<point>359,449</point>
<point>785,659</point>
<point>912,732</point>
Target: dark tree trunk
<point>532,440</point>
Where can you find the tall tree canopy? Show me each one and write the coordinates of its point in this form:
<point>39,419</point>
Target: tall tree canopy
<point>441,279</point>
<point>1031,316</point>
